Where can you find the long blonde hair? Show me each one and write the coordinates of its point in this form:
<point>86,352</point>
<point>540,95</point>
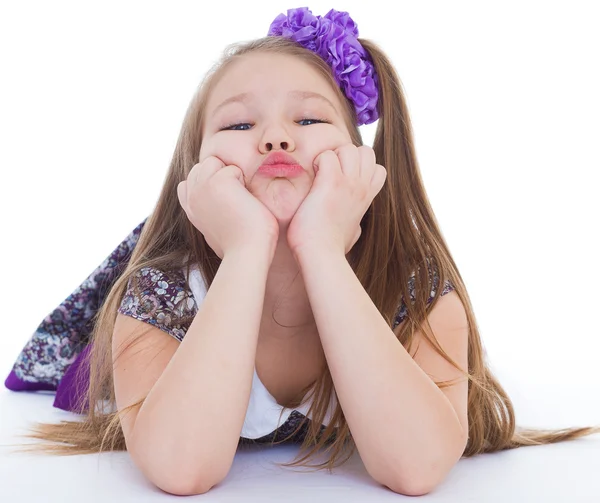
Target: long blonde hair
<point>400,236</point>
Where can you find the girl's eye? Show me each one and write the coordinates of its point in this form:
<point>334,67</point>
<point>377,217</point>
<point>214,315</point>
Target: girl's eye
<point>315,121</point>
<point>233,127</point>
<point>238,127</point>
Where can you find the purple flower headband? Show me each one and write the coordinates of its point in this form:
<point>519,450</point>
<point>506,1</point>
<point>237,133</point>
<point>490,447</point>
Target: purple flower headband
<point>334,37</point>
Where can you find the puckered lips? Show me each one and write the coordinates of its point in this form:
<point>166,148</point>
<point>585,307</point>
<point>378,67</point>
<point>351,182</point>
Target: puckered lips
<point>280,165</point>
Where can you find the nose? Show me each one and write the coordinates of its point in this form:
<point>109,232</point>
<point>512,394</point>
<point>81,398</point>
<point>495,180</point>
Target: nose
<point>269,146</point>
<point>276,137</point>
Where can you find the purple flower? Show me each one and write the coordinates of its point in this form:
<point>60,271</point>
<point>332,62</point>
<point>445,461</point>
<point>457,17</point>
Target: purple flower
<point>334,37</point>
<point>300,25</point>
<point>344,20</point>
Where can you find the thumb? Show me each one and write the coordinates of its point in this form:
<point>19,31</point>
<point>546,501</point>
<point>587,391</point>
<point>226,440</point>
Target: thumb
<point>240,175</point>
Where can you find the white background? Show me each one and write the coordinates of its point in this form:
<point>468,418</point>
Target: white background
<point>504,103</point>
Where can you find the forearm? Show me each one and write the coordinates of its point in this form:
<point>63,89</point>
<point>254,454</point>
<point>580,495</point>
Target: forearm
<point>194,414</point>
<point>403,424</point>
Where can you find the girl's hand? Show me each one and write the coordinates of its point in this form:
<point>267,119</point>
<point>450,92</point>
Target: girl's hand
<point>346,182</point>
<point>216,201</point>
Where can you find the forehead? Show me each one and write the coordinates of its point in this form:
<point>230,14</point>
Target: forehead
<point>269,75</point>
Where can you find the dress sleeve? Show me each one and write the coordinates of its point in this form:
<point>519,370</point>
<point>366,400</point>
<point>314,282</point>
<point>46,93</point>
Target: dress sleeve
<point>161,299</point>
<point>402,312</point>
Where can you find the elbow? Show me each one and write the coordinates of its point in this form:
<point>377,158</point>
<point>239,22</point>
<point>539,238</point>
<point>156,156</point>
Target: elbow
<point>418,480</point>
<point>181,484</point>
<point>413,483</point>
<point>179,478</point>
<point>176,471</point>
<point>421,479</point>
<point>183,488</point>
<point>408,482</point>
<point>412,488</point>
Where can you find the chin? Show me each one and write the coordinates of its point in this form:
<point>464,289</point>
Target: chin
<point>283,200</point>
<point>283,213</point>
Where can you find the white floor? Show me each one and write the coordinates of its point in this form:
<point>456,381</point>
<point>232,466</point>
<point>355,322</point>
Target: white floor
<point>565,472</point>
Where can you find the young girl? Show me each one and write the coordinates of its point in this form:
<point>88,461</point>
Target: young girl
<point>306,286</point>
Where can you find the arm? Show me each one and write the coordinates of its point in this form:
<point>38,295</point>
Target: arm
<point>191,420</point>
<point>409,433</point>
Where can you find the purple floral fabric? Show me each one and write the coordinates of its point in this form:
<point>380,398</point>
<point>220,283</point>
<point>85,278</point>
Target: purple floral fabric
<point>402,312</point>
<point>62,335</point>
<point>164,301</point>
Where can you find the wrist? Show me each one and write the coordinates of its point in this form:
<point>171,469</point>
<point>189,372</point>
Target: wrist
<point>318,252</point>
<point>254,254</point>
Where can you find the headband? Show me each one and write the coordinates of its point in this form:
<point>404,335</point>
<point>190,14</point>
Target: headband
<point>334,37</point>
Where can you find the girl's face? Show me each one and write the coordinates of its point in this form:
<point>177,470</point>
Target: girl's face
<point>268,103</point>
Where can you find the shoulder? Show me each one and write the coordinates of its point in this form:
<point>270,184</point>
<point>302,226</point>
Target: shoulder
<point>447,287</point>
<point>160,298</point>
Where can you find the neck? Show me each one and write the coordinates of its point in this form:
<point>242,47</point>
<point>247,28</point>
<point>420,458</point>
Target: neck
<point>286,299</point>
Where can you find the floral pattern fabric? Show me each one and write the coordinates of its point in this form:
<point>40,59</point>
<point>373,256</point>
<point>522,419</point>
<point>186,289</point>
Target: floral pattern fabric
<point>160,293</point>
<point>63,333</point>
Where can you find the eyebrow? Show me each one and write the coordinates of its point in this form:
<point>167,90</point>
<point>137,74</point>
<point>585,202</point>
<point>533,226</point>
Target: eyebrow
<point>296,94</point>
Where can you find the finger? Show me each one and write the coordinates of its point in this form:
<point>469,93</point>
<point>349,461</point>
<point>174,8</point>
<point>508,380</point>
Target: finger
<point>326,163</point>
<point>349,159</point>
<point>357,234</point>
<point>367,162</point>
<point>379,178</point>
<point>182,194</point>
<point>235,171</point>
<point>240,175</point>
<point>205,169</point>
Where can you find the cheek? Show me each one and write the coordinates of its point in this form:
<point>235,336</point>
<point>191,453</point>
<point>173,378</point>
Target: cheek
<point>208,147</point>
<point>329,138</point>
<point>232,151</point>
<point>329,142</point>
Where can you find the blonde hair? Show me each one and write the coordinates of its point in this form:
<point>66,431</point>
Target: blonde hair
<point>400,236</point>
